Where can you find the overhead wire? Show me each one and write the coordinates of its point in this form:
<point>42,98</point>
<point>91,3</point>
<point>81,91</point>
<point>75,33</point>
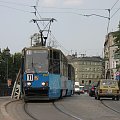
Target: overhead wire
<point>15,8</point>
<point>96,15</point>
<point>37,1</point>
<point>115,12</point>
<point>113,7</point>
<point>114,4</point>
<point>70,8</point>
<point>109,10</point>
<point>15,3</point>
<point>53,37</point>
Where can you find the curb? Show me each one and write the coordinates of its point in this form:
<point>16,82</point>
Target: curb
<point>4,112</point>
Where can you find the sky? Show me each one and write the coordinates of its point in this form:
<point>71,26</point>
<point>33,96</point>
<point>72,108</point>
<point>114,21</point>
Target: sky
<point>73,31</point>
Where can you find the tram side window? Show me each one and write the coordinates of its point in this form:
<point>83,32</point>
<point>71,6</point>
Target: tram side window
<point>64,66</point>
<point>54,64</point>
<point>71,73</point>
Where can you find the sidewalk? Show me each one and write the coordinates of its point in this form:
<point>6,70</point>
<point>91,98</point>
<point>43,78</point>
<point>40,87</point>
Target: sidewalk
<point>2,101</point>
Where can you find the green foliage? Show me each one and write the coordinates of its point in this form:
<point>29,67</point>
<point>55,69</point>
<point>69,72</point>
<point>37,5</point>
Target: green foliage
<point>14,62</point>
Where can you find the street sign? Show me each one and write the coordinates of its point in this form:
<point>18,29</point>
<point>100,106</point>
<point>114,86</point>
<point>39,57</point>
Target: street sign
<point>117,75</point>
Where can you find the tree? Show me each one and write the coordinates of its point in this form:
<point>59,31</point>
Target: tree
<point>15,65</point>
<point>14,62</point>
<point>9,67</point>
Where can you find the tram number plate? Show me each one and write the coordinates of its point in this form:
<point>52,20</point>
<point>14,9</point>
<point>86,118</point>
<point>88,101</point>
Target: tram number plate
<point>29,77</point>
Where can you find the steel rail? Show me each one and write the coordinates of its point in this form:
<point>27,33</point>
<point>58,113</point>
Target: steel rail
<point>28,113</point>
<point>116,111</point>
<point>66,113</point>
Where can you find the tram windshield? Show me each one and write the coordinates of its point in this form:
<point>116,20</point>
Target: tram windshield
<point>36,61</point>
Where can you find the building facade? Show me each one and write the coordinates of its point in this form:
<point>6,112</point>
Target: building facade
<point>88,70</point>
<point>111,60</point>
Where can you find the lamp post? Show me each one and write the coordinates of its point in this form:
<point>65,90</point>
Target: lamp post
<point>7,53</point>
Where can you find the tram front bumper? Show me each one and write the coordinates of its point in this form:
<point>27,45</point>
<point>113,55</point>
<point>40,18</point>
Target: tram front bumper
<point>42,91</point>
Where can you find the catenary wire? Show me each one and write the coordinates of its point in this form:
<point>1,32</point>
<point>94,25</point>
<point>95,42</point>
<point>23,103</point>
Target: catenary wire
<point>114,4</point>
<point>70,8</point>
<point>115,12</point>
<point>19,4</point>
<point>109,10</point>
<point>37,1</point>
<point>15,8</point>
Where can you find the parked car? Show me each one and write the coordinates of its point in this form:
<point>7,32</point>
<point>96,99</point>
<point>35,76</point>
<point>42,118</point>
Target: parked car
<point>92,90</point>
<point>107,88</point>
<point>81,89</point>
<point>76,88</point>
<point>86,91</point>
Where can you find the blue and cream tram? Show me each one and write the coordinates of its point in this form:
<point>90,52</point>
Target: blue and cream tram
<point>71,80</point>
<point>45,73</point>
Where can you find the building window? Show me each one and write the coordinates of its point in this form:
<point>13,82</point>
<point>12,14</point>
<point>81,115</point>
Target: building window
<point>90,76</point>
<point>82,81</point>
<point>89,81</point>
<point>82,75</point>
<point>93,76</point>
<point>94,69</point>
<point>86,76</point>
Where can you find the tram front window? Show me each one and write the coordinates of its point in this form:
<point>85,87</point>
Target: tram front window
<point>36,61</point>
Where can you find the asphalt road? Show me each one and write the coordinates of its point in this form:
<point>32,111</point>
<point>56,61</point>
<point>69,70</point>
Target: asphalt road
<point>77,107</point>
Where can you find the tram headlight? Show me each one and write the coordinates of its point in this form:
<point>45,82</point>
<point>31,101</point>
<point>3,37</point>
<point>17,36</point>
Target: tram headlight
<point>29,83</point>
<point>43,83</point>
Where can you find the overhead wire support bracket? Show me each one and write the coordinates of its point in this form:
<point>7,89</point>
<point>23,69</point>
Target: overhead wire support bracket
<point>45,19</point>
<point>97,15</point>
<point>43,38</point>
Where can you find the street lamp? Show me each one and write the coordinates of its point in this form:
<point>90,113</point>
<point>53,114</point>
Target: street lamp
<point>7,53</point>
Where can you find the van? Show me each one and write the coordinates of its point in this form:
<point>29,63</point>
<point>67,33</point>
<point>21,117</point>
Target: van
<point>76,88</point>
<point>107,88</point>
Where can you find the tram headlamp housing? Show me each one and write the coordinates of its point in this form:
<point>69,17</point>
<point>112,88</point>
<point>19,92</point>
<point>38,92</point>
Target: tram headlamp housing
<point>29,83</point>
<point>43,83</point>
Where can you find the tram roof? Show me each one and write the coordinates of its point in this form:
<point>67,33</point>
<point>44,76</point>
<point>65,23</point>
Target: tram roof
<point>41,48</point>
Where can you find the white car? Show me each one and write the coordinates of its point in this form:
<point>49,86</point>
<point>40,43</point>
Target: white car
<point>77,89</point>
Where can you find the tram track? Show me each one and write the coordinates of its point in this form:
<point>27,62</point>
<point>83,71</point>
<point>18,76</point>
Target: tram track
<point>109,107</point>
<point>65,112</point>
<point>4,111</point>
<point>55,106</point>
<point>28,113</point>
